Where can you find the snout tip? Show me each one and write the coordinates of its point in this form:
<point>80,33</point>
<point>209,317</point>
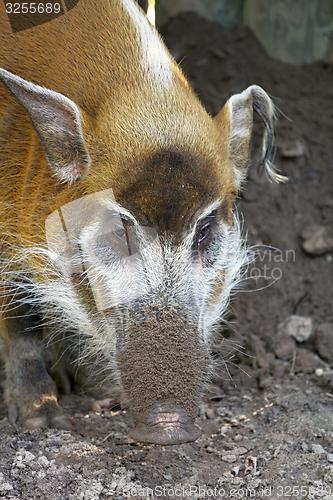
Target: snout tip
<point>166,427</point>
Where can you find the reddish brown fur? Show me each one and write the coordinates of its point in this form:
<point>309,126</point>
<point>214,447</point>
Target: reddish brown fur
<point>157,148</point>
<point>114,94</point>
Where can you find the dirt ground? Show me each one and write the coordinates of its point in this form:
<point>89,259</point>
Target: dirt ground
<point>267,418</point>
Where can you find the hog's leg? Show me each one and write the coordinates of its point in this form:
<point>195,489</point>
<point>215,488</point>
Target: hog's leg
<point>85,379</point>
<point>30,392</point>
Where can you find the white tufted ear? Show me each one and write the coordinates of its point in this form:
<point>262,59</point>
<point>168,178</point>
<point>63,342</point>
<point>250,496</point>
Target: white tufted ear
<point>57,120</point>
<point>239,111</point>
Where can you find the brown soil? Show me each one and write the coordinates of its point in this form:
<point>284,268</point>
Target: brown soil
<point>267,419</point>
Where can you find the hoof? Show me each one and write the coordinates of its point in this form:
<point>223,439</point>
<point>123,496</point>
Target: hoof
<point>34,423</point>
<point>42,414</point>
<point>104,405</point>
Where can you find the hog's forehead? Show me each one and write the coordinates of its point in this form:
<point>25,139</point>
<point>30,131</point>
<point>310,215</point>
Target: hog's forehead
<point>168,190</point>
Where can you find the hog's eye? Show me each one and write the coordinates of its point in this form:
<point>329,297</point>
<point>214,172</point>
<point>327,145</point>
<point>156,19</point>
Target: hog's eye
<point>203,234</point>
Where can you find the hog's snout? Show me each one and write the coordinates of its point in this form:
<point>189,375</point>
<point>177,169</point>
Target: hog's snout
<point>162,368</point>
<point>166,425</point>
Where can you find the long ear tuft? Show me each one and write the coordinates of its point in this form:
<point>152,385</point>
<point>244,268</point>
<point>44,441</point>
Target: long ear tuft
<point>240,110</point>
<point>264,107</point>
<point>57,121</point>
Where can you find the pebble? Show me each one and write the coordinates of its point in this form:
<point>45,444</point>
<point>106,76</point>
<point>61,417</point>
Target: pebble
<point>305,447</point>
<point>317,449</point>
<point>284,347</point>
<point>329,457</point>
<point>298,327</point>
<point>307,361</point>
<point>317,240</point>
<point>43,461</point>
<point>241,450</point>
<point>230,458</point>
<point>5,486</point>
<point>235,470</point>
<point>324,341</point>
<point>22,458</point>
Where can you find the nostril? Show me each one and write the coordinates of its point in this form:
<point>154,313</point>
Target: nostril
<point>165,427</point>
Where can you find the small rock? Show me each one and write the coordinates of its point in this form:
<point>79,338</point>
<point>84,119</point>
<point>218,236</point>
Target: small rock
<point>317,449</point>
<point>22,458</point>
<point>298,327</point>
<point>284,347</point>
<point>281,367</point>
<point>5,487</point>
<point>324,341</point>
<point>329,457</point>
<point>235,470</point>
<point>224,412</point>
<point>305,447</point>
<point>317,240</point>
<point>43,461</point>
<point>307,362</point>
<point>261,354</point>
<point>241,450</point>
<point>230,458</point>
